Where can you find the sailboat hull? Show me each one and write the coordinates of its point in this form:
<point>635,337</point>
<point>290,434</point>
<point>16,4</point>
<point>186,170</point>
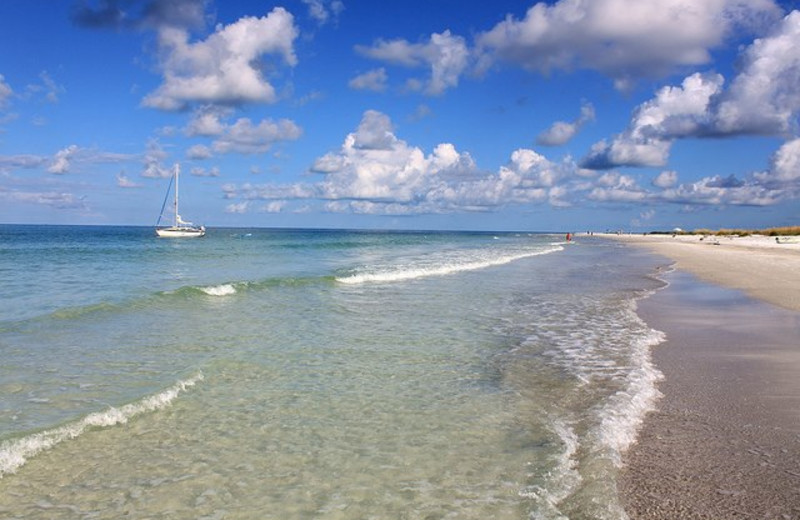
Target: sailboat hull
<point>180,228</point>
<point>180,232</point>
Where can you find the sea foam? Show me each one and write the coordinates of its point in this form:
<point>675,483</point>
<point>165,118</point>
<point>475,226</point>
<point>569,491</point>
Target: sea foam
<point>225,289</point>
<point>14,453</point>
<point>443,267</point>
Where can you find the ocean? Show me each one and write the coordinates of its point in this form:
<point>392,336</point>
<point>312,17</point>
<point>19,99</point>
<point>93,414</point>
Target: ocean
<point>296,374</point>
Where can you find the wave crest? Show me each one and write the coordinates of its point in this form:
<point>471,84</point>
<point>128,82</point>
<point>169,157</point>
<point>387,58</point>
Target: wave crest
<point>225,289</point>
<point>443,268</point>
<point>14,453</point>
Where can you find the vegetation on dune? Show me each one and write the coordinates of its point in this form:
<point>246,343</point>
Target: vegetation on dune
<point>770,232</point>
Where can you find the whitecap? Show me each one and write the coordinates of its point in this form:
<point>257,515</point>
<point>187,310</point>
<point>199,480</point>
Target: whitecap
<point>14,453</point>
<point>443,267</point>
<point>225,289</point>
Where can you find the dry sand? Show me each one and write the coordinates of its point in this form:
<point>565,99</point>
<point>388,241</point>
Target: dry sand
<point>725,440</point>
<point>763,267</point>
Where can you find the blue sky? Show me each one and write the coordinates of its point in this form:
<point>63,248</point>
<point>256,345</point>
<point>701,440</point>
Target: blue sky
<point>506,115</point>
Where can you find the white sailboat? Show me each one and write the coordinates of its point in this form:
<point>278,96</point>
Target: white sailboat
<point>179,228</point>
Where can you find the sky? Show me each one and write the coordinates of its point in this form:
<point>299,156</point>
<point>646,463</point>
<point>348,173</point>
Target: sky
<point>568,115</point>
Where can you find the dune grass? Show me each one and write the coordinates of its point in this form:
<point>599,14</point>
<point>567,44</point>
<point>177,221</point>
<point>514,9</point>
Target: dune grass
<point>770,232</point>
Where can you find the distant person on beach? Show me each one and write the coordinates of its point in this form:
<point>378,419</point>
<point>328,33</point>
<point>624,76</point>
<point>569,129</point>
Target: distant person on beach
<point>569,237</point>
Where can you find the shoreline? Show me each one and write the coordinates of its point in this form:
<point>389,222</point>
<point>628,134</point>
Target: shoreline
<point>760,266</point>
<point>724,441</point>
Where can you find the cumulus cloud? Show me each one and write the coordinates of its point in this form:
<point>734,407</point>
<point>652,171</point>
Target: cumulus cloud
<point>615,187</point>
<point>208,121</point>
<point>374,80</point>
<point>719,191</point>
<point>375,132</point>
<point>153,157</point>
<point>198,152</point>
<point>761,100</point>
<point>784,171</point>
<point>223,68</point>
<point>623,39</point>
<point>445,54</point>
<point>376,172</point>
<point>240,136</point>
<point>666,179</point>
<point>780,182</point>
<point>764,98</point>
<point>561,132</point>
<point>61,161</point>
<point>674,112</point>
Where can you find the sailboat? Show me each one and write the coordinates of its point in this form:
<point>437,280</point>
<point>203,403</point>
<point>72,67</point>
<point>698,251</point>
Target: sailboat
<point>179,228</point>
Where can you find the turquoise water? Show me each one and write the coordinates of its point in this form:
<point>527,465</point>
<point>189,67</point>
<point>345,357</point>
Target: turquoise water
<point>286,374</point>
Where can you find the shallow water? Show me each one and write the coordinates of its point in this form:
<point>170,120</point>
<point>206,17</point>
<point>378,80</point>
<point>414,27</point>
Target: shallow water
<point>317,374</point>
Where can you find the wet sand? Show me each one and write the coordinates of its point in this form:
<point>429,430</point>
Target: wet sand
<point>724,442</point>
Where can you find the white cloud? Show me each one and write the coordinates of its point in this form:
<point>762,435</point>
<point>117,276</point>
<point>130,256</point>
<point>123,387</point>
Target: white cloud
<point>375,132</point>
<point>778,183</point>
<point>642,39</point>
<point>203,172</point>
<point>764,98</point>
<point>446,55</point>
<point>240,207</point>
<point>376,172</point>
<point>323,11</point>
<point>719,191</point>
<point>199,152</point>
<point>124,182</point>
<point>241,136</point>
<point>275,206</point>
<point>61,161</point>
<point>207,121</point>
<point>675,111</point>
<point>784,172</point>
<point>374,80</point>
<point>561,132</point>
<point>223,68</point>
<point>245,137</point>
<point>153,157</point>
<point>666,179</point>
<point>615,187</point>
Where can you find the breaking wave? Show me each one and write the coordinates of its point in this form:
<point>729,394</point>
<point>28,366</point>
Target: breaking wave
<point>443,266</point>
<point>15,453</point>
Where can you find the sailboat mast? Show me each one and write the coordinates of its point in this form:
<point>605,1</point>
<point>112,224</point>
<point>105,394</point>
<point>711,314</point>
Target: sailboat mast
<point>177,174</point>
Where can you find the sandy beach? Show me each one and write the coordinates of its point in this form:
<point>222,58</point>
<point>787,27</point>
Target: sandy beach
<point>725,439</point>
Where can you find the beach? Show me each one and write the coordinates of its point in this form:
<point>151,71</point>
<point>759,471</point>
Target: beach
<point>724,441</point>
